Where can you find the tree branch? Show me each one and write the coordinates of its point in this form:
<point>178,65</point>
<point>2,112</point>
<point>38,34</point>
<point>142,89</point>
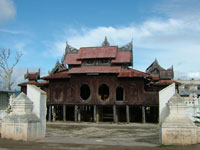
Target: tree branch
<point>3,77</point>
<point>5,67</point>
<point>17,58</point>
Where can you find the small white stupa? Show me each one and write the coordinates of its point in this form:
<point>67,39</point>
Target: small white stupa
<point>21,123</point>
<point>178,128</point>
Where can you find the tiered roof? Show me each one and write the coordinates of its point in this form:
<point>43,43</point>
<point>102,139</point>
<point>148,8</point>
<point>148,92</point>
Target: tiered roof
<point>158,72</point>
<point>122,55</point>
<point>119,60</point>
<point>32,76</point>
<point>121,73</point>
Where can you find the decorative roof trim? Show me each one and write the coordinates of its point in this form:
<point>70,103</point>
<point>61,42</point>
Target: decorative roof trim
<point>32,75</point>
<point>105,42</point>
<point>128,46</point>
<point>154,64</point>
<point>68,49</point>
<point>58,68</point>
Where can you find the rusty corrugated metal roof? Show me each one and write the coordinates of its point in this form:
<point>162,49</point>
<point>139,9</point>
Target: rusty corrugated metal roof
<point>95,69</point>
<point>32,76</point>
<point>72,59</point>
<point>155,77</point>
<point>43,83</point>
<point>132,73</point>
<point>166,82</point>
<point>97,52</point>
<point>59,75</point>
<point>122,57</point>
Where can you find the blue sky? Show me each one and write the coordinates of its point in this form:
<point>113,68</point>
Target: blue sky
<point>168,30</point>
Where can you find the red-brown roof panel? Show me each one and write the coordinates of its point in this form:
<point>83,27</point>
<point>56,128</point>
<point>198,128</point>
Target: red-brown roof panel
<point>155,77</point>
<point>132,73</point>
<point>59,75</point>
<point>95,69</point>
<point>72,59</point>
<point>166,82</point>
<point>122,57</point>
<point>32,76</point>
<point>97,52</point>
<point>43,83</point>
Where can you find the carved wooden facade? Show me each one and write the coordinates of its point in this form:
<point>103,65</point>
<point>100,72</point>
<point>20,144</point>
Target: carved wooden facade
<point>69,91</point>
<point>100,78</point>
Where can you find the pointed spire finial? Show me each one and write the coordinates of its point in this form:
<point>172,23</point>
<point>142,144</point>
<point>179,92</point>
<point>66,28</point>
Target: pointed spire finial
<point>26,75</point>
<point>105,42</point>
<point>66,48</point>
<point>57,62</point>
<point>128,46</point>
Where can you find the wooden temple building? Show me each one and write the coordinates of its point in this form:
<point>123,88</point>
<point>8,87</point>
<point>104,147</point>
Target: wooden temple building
<point>99,84</point>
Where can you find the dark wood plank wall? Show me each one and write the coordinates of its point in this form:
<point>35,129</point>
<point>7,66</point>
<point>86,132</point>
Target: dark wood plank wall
<point>68,91</point>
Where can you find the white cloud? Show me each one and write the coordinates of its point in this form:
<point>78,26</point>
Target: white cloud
<point>150,34</point>
<point>21,47</point>
<point>18,77</point>
<point>187,76</point>
<point>173,40</point>
<point>195,75</point>
<point>7,10</point>
<point>168,40</point>
<point>11,31</point>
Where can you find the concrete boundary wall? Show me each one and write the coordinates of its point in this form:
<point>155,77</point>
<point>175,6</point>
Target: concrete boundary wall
<point>164,96</point>
<point>38,98</point>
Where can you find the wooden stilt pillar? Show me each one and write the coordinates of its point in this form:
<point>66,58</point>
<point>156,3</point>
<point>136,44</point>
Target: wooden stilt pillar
<point>75,113</point>
<point>64,112</point>
<point>50,112</point>
<point>115,117</point>
<point>54,113</point>
<point>143,115</point>
<point>127,114</point>
<point>79,113</point>
<point>95,113</point>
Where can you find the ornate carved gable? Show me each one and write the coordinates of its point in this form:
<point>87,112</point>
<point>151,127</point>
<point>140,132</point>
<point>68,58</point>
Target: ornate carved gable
<point>104,55</point>
<point>32,76</point>
<point>156,70</point>
<point>69,49</point>
<point>128,46</point>
<point>58,68</point>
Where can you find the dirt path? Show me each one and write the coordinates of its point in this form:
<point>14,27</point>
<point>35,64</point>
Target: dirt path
<point>90,136</point>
